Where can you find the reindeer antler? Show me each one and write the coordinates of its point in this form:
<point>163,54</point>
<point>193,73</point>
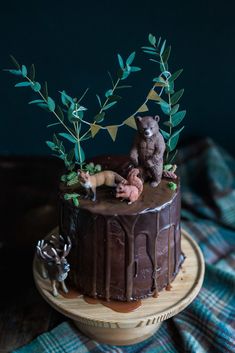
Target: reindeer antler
<point>67,247</point>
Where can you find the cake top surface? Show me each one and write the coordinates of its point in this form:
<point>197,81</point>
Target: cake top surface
<point>151,199</point>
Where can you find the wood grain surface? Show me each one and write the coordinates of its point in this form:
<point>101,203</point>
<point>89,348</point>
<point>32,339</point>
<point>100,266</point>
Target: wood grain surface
<point>92,318</point>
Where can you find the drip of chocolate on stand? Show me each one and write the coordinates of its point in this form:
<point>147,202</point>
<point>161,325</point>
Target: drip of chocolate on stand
<point>120,307</point>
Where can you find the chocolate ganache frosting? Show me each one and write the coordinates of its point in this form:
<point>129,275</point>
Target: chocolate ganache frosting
<point>120,251</point>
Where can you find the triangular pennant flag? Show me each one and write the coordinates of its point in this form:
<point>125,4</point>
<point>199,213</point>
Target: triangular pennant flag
<point>130,122</point>
<point>143,108</point>
<point>154,96</point>
<point>112,129</point>
<point>95,129</point>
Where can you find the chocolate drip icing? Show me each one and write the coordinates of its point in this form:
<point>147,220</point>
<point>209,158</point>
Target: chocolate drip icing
<point>124,252</point>
<point>155,293</point>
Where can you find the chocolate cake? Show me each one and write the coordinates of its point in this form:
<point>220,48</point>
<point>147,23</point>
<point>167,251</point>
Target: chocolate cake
<point>119,251</point>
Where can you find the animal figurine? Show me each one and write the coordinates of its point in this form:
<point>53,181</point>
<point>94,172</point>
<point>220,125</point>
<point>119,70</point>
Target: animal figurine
<point>148,148</point>
<point>131,189</point>
<point>53,261</point>
<point>91,182</point>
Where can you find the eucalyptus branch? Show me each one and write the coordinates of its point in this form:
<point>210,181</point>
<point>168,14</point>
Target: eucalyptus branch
<point>166,80</point>
<point>45,100</point>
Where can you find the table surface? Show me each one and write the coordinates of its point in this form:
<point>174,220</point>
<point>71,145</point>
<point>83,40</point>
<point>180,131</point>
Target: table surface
<point>28,212</point>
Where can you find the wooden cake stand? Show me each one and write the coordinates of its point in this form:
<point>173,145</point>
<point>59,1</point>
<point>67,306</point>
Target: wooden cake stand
<point>105,325</point>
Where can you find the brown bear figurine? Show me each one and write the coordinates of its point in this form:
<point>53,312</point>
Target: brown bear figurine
<point>148,149</point>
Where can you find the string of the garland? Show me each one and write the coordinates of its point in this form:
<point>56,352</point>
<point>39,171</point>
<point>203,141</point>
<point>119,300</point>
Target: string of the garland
<point>130,121</point>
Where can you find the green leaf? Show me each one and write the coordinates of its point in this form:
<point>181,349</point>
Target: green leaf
<point>70,158</point>
<point>109,105</point>
<point>99,117</point>
<point>175,75</point>
<point>165,134</point>
<point>171,185</point>
<point>178,117</point>
<point>111,78</point>
<point>14,72</point>
<point>108,93</point>
<point>114,98</point>
<point>99,100</point>
<point>123,86</point>
<point>36,86</point>
<point>130,58</point>
<point>15,62</point>
<point>149,48</point>
<point>173,140</point>
<point>51,145</point>
<point>65,98</point>
<point>159,79</point>
<point>170,88</point>
<point>59,112</point>
<point>149,52</point>
<point>56,140</point>
<point>54,124</point>
<point>68,137</point>
<point>32,72</point>
<point>120,60</point>
<point>51,104</point>
<point>45,90</point>
<point>72,118</point>
<point>166,54</point>
<point>36,101</point>
<point>125,74</point>
<point>75,202</point>
<point>156,61</point>
<point>175,109</point>
<point>176,97</point>
<point>77,154</point>
<point>172,156</point>
<point>23,84</point>
<point>135,68</point>
<point>168,123</point>
<point>167,167</point>
<point>24,71</point>
<point>152,39</point>
<point>163,47</point>
<point>159,41</point>
<point>43,106</point>
<point>166,108</point>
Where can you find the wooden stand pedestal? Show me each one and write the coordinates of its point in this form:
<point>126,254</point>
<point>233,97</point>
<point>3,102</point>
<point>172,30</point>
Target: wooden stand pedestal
<point>108,326</point>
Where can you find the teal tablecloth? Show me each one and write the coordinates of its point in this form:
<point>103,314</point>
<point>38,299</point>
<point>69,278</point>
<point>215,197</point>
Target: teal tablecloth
<point>208,324</point>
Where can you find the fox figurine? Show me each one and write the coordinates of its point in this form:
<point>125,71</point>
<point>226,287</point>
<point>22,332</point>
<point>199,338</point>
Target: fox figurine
<point>131,189</point>
<point>91,182</point>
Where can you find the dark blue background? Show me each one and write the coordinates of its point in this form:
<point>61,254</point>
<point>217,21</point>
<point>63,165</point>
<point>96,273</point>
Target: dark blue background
<point>73,44</point>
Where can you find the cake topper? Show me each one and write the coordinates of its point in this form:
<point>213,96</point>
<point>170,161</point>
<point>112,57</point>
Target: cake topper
<point>52,254</point>
<point>148,149</point>
<point>132,188</point>
<point>91,182</point>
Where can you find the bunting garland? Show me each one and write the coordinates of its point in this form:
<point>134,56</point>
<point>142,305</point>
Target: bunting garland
<point>112,129</point>
<point>143,108</point>
<point>131,122</point>
<point>154,96</point>
<point>95,129</point>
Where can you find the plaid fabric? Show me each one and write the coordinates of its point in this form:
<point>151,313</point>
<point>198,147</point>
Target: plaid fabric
<point>208,324</point>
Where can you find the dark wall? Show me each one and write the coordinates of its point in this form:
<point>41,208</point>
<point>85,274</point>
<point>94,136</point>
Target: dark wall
<point>73,44</point>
